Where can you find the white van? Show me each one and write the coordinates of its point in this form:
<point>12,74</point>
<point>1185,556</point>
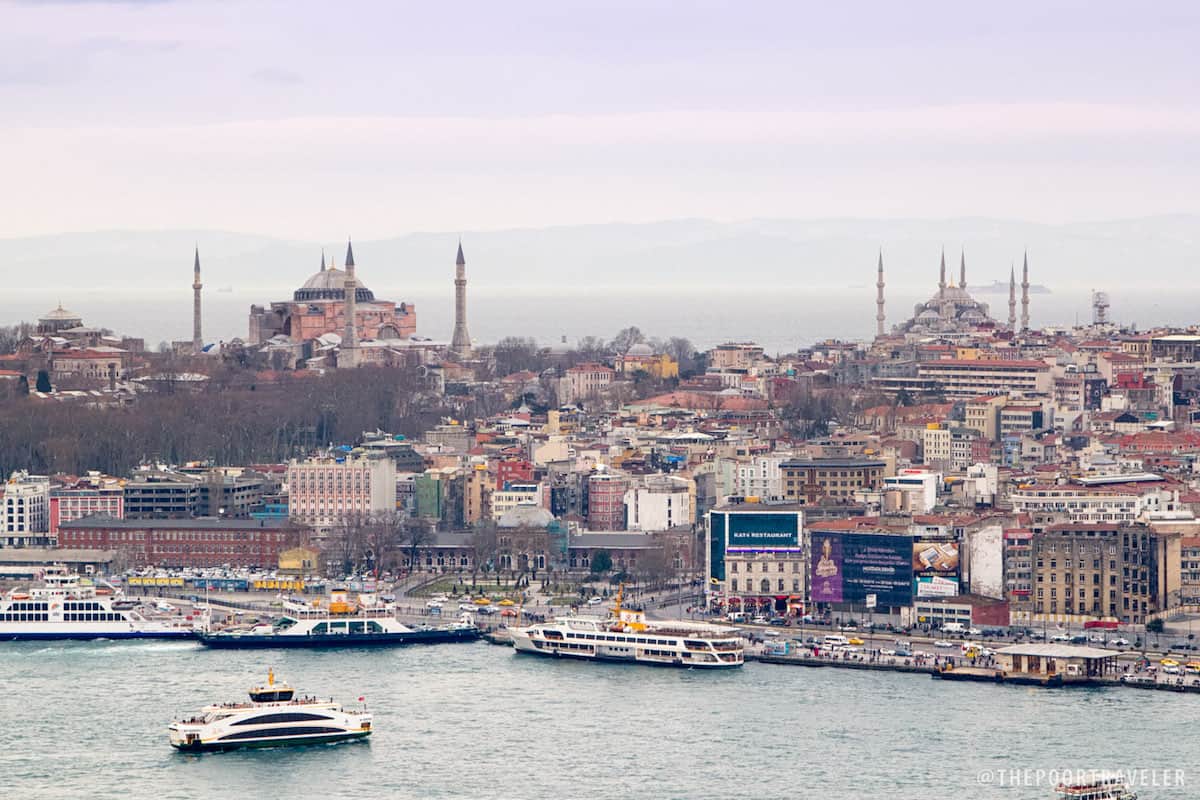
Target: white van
<point>954,627</point>
<point>834,640</point>
<point>736,616</point>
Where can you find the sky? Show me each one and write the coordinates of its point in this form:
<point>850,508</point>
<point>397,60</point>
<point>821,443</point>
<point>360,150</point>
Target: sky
<point>312,120</point>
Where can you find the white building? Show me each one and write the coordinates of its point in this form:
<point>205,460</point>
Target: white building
<point>26,511</point>
<point>662,502</point>
<point>760,476</point>
<point>912,490</point>
<point>324,491</point>
<point>517,494</point>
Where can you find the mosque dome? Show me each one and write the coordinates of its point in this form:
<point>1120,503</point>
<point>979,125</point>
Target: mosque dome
<point>330,284</point>
<point>640,349</point>
<point>60,314</point>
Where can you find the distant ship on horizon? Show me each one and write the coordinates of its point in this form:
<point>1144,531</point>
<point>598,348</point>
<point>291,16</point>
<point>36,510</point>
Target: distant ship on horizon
<point>998,287</point>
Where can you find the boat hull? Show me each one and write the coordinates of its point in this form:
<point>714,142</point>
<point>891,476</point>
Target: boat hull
<point>626,659</point>
<point>297,741</point>
<point>79,636</point>
<point>338,640</point>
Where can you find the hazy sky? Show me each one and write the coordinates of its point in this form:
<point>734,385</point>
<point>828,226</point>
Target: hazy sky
<point>318,119</point>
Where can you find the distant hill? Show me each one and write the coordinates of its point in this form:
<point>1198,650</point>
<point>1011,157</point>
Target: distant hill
<point>1152,252</point>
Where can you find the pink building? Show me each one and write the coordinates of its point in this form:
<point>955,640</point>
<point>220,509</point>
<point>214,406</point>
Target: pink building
<point>584,381</point>
<point>88,497</point>
<point>606,501</point>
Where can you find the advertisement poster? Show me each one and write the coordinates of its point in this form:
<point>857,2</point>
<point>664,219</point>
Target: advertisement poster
<point>827,569</point>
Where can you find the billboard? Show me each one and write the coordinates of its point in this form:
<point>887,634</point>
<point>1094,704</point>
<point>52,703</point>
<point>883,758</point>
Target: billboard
<point>935,569</point>
<point>846,567</point>
<point>935,586</point>
<point>758,531</point>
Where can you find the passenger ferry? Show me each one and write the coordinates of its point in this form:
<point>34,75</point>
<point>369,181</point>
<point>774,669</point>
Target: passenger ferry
<point>1107,787</point>
<point>339,623</point>
<point>64,608</point>
<point>274,717</point>
<point>628,636</point>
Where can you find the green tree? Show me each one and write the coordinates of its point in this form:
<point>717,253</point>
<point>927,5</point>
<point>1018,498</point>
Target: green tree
<point>601,562</point>
<point>1154,626</point>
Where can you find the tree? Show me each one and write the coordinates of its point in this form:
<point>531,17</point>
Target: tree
<point>516,353</point>
<point>681,349</point>
<point>415,535</point>
<point>43,381</point>
<point>483,550</point>
<point>1154,626</point>
<point>626,339</point>
<point>654,567</point>
<point>601,562</point>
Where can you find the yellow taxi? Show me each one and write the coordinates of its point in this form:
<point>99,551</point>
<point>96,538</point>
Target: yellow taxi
<point>507,602</point>
<point>856,642</point>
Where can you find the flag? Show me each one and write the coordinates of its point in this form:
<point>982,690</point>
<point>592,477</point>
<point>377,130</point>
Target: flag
<point>361,698</point>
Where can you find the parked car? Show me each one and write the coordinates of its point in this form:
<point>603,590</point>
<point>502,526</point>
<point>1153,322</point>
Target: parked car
<point>760,620</point>
<point>944,643</point>
<point>1120,642</point>
<point>1060,637</point>
<point>902,653</point>
<point>595,601</point>
<point>780,622</point>
<point>467,607</point>
<point>435,603</point>
<point>974,632</point>
<point>487,611</point>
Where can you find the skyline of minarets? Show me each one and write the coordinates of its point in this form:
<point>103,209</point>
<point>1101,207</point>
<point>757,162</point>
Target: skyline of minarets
<point>879,315</point>
<point>1025,294</point>
<point>349,352</point>
<point>1012,298</point>
<point>460,343</point>
<point>197,339</point>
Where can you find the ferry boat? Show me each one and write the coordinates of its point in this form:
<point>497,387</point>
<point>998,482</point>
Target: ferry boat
<point>339,623</point>
<point>64,608</point>
<point>628,636</point>
<point>274,717</point>
<point>1101,788</point>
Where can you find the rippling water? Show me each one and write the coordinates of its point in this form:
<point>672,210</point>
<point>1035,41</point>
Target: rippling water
<point>475,721</point>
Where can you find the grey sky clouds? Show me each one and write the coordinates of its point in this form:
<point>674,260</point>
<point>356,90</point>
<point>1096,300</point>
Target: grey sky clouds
<point>305,119</point>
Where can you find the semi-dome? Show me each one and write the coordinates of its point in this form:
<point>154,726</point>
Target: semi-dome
<point>330,284</point>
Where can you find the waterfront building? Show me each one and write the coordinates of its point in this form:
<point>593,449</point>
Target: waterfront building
<point>324,491</point>
<point>179,543</point>
<point>1189,589</point>
<point>26,520</point>
<point>1097,571</point>
<point>756,558</point>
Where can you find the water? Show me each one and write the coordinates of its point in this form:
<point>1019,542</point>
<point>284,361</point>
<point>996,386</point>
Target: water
<point>476,721</point>
<point>781,318</point>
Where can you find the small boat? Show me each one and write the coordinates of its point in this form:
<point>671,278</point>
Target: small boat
<point>274,717</point>
<point>1106,787</point>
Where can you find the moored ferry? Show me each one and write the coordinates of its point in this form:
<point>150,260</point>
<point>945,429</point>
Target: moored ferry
<point>628,636</point>
<point>341,622</point>
<point>64,608</point>
<point>274,717</point>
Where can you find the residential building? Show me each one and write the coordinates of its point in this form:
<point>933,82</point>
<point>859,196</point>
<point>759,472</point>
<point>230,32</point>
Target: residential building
<point>584,382</point>
<point>26,511</point>
<point>324,491</point>
<point>517,494</point>
<point>606,501</point>
<point>92,494</point>
<point>970,378</point>
<point>660,502</point>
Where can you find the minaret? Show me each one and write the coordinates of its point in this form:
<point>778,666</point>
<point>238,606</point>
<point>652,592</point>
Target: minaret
<point>1012,299</point>
<point>197,339</point>
<point>962,271</point>
<point>1025,294</point>
<point>322,259</point>
<point>942,278</point>
<point>879,316</point>
<point>460,343</point>
<point>349,354</point>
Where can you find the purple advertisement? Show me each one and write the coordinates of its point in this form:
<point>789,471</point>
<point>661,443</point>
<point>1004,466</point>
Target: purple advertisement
<point>827,569</point>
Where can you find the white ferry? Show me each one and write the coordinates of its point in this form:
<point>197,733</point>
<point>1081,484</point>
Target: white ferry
<point>341,622</point>
<point>274,717</point>
<point>628,636</point>
<point>63,608</point>
<point>1107,787</point>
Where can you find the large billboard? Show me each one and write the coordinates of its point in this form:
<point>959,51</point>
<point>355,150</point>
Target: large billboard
<point>763,531</point>
<point>935,569</point>
<point>846,567</point>
<point>752,530</point>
